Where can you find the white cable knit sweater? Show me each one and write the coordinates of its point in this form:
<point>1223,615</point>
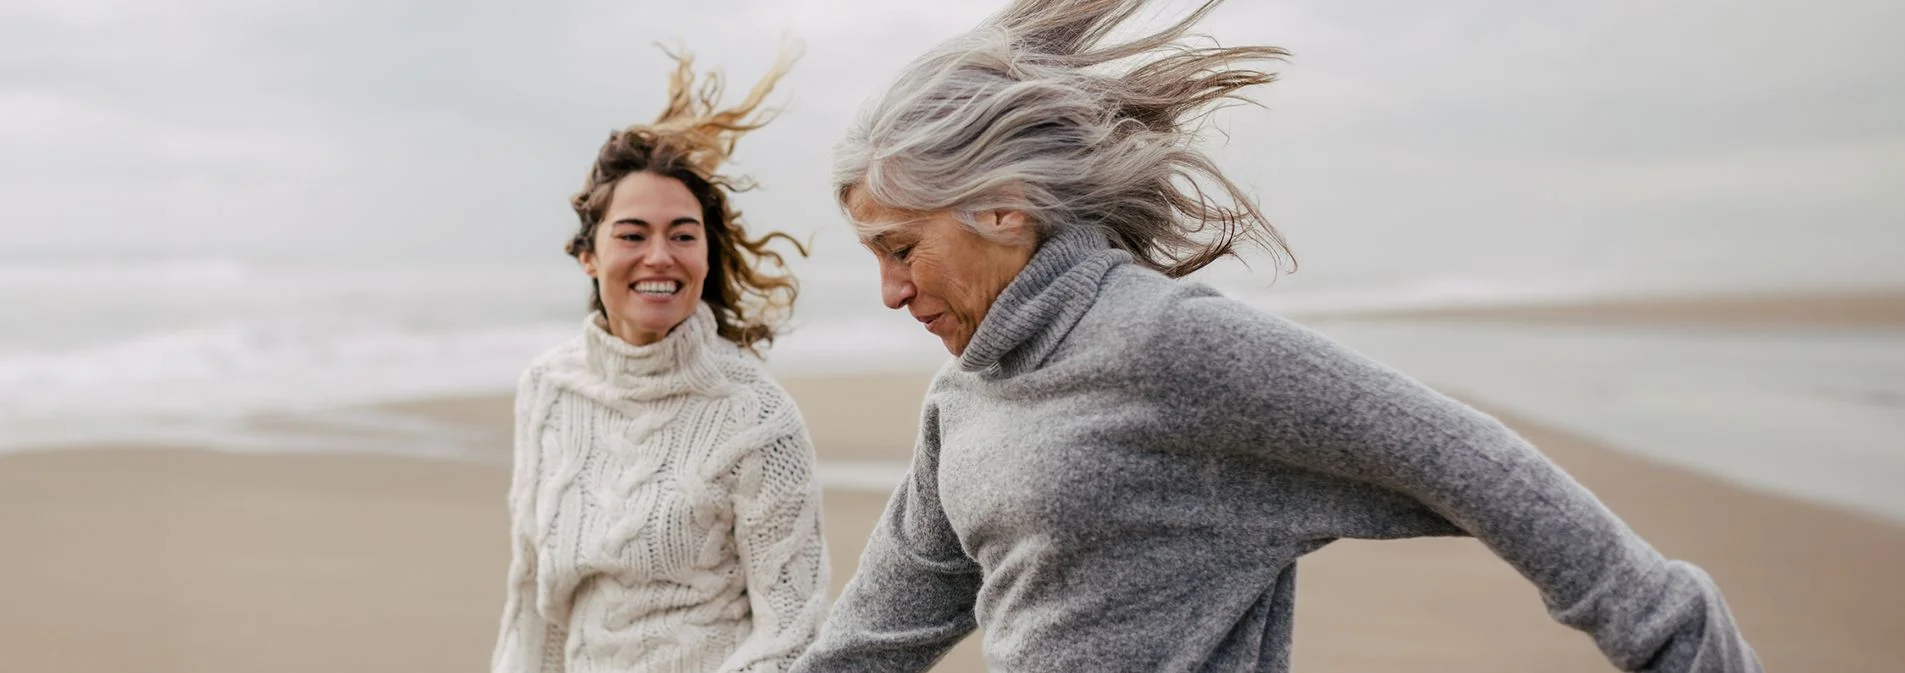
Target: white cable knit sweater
<point>664,512</point>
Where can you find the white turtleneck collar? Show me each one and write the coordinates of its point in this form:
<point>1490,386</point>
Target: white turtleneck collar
<point>685,361</point>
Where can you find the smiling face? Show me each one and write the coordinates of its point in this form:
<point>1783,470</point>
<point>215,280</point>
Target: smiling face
<point>939,271</point>
<point>650,257</point>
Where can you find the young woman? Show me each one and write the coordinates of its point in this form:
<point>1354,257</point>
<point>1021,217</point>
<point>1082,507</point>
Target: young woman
<point>664,510</point>
<point>1120,470</point>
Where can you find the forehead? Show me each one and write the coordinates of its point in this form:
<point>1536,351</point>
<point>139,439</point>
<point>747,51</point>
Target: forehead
<point>638,194</point>
<point>873,221</point>
<point>864,209</point>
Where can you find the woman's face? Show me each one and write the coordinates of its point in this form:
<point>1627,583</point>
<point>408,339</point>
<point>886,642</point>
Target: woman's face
<point>939,271</point>
<point>650,258</point>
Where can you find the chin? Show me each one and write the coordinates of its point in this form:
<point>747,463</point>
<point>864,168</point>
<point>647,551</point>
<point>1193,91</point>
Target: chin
<point>661,326</point>
<point>654,321</point>
<point>651,318</point>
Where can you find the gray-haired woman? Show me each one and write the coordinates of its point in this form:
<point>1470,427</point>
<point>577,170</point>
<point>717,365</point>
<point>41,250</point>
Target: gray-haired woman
<point>1120,470</point>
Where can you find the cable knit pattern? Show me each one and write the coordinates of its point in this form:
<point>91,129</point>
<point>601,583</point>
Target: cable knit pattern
<point>664,512</point>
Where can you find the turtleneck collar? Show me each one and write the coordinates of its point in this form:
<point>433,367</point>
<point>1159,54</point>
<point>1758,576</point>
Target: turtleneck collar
<point>684,361</point>
<point>1042,303</point>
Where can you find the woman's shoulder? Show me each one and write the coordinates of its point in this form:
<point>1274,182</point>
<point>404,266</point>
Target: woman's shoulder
<point>1140,293</point>
<point>1191,323</point>
<point>1144,298</point>
<point>567,356</point>
<point>761,421</point>
<point>751,379</point>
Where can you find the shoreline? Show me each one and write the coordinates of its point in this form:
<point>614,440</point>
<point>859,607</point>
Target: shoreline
<point>1852,309</point>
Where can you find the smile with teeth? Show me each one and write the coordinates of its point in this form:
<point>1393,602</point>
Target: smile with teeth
<point>658,287</point>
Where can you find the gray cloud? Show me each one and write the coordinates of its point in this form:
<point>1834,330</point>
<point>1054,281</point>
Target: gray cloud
<point>1473,135</point>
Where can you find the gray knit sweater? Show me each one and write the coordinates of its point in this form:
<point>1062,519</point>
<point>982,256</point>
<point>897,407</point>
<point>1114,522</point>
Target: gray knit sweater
<point>1121,471</point>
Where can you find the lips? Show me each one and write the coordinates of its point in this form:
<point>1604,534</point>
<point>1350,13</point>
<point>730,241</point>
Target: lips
<point>929,320</point>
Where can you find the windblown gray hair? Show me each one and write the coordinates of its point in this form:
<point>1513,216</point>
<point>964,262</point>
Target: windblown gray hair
<point>1031,111</point>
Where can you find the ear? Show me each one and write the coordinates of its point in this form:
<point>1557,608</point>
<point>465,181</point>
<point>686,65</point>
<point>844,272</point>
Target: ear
<point>587,259</point>
<point>1013,225</point>
<point>1010,223</point>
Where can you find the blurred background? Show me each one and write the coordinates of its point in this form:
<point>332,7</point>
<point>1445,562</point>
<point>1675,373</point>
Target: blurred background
<point>269,270</point>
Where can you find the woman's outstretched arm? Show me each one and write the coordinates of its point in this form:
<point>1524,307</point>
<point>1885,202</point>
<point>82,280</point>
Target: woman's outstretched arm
<point>1321,406</point>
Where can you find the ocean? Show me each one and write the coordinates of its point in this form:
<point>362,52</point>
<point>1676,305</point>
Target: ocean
<point>191,350</point>
<point>1812,413</point>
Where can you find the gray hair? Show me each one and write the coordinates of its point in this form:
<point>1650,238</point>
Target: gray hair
<point>1026,112</point>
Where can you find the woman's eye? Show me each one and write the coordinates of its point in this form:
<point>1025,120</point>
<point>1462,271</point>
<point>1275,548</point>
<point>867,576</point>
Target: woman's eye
<point>633,238</point>
<point>685,238</point>
<point>901,253</point>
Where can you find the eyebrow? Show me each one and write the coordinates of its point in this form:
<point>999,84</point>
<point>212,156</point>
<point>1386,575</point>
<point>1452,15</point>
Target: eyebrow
<point>886,233</point>
<point>639,222</point>
<point>882,242</point>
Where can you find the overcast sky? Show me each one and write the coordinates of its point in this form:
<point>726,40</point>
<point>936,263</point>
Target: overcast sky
<point>1483,134</point>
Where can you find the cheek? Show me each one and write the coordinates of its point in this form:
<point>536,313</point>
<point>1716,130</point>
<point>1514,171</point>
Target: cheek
<point>941,283</point>
<point>694,260</point>
<point>937,279</point>
<point>925,278</point>
<point>612,258</point>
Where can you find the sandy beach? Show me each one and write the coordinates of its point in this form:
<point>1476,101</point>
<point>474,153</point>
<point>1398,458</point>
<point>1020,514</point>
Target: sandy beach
<point>176,559</point>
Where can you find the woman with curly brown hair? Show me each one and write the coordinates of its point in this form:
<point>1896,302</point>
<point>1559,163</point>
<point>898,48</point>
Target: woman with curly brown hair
<point>663,509</point>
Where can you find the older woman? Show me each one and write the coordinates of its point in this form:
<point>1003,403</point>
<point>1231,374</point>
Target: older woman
<point>664,512</point>
<point>1120,470</point>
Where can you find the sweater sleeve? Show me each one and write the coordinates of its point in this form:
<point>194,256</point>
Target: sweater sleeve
<point>1326,408</point>
<point>912,598</point>
<point>527,642</point>
<point>778,532</point>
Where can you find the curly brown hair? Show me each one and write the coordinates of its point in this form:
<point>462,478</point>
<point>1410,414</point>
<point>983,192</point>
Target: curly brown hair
<point>688,142</point>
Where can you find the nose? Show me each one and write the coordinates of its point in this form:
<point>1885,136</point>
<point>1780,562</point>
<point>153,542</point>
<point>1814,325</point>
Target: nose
<point>896,286</point>
<point>657,254</point>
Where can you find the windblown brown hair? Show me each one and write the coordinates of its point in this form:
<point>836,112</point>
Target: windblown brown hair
<point>688,142</point>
